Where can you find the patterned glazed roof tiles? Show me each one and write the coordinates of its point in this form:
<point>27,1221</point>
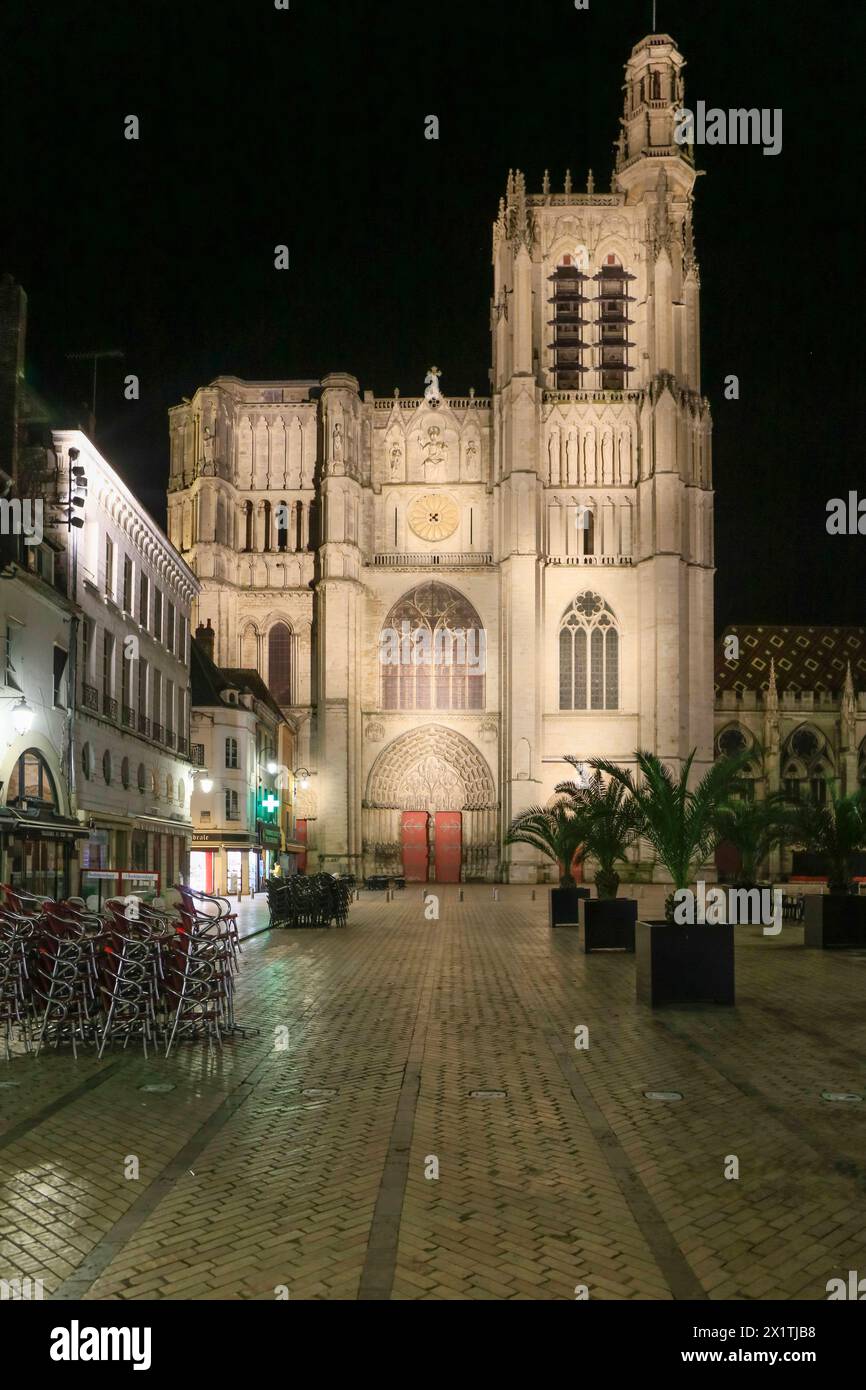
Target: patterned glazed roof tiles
<point>806,658</point>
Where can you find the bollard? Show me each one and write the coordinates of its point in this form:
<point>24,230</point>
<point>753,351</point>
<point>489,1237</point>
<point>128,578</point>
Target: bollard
<point>389,895</point>
<point>496,895</point>
<point>460,896</point>
<point>533,895</point>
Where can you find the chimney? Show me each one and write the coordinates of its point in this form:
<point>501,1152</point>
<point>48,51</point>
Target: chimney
<point>205,636</point>
<point>13,331</point>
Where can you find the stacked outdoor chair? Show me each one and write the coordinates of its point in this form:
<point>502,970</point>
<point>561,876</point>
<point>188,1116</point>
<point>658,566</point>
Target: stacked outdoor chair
<point>16,959</point>
<point>69,976</point>
<point>65,980</point>
<point>316,901</point>
<point>200,970</point>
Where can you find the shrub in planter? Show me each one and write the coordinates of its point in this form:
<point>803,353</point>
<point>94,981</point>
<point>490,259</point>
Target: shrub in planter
<point>610,819</point>
<point>558,833</point>
<point>677,963</point>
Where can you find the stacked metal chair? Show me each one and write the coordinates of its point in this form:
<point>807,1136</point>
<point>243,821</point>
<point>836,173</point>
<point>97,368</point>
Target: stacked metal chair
<point>70,976</point>
<point>317,901</point>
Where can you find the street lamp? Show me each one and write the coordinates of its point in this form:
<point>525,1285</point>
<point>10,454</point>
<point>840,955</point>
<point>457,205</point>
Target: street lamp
<point>302,775</point>
<point>272,768</point>
<point>23,716</point>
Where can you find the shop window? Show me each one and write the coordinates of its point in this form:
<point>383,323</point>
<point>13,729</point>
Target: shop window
<point>32,782</point>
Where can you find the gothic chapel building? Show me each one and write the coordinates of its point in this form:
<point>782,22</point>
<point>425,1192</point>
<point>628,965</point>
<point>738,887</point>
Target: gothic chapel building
<point>447,594</point>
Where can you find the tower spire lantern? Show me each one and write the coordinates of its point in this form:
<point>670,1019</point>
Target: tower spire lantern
<point>653,94</point>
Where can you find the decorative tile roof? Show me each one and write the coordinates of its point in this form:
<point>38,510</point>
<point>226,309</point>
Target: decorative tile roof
<point>806,658</point>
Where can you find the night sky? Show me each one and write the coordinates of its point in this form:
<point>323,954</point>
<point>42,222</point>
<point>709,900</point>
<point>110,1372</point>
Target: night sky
<point>306,127</point>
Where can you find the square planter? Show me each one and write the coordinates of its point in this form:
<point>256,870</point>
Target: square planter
<point>563,906</point>
<point>608,923</point>
<point>834,921</point>
<point>684,965</point>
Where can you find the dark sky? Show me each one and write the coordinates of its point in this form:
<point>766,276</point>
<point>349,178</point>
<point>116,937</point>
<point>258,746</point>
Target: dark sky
<point>305,127</point>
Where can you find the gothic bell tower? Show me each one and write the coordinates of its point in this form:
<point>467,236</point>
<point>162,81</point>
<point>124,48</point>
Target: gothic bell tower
<point>602,471</point>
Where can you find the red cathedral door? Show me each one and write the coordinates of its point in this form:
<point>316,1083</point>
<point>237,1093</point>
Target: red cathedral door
<point>448,846</point>
<point>415,853</point>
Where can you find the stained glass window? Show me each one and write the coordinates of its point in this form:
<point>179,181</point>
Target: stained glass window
<point>589,678</point>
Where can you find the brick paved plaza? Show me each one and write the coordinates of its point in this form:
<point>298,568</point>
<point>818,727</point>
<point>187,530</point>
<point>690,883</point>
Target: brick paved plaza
<point>246,1183</point>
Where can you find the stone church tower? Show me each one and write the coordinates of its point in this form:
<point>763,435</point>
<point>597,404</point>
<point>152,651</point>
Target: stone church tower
<point>446,595</point>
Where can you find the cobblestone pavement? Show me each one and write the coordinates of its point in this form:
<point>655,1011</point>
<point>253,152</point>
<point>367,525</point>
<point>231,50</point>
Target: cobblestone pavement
<point>572,1178</point>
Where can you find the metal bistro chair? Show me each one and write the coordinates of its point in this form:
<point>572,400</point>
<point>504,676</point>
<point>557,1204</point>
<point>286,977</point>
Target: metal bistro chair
<point>16,995</point>
<point>66,980</point>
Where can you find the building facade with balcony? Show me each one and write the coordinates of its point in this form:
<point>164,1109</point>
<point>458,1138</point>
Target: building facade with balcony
<point>131,775</point>
<point>40,838</point>
<point>447,594</point>
<point>238,795</point>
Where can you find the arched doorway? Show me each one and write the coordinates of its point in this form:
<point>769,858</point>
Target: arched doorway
<point>430,811</point>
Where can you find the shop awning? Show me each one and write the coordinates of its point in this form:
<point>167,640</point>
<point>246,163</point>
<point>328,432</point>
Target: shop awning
<point>46,823</point>
<point>177,827</point>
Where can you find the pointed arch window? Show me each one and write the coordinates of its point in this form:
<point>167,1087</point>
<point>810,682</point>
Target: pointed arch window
<point>283,521</point>
<point>589,662</point>
<point>248,526</point>
<point>432,651</point>
<point>267,526</point>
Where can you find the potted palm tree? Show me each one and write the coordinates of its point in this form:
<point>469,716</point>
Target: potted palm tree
<point>754,828</point>
<point>611,828</point>
<point>558,832</point>
<point>679,963</point>
<point>835,831</point>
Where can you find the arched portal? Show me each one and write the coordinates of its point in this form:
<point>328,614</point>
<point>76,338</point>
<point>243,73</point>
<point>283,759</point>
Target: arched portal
<point>430,811</point>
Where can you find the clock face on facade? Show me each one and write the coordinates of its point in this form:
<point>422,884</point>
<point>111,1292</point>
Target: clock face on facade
<point>434,516</point>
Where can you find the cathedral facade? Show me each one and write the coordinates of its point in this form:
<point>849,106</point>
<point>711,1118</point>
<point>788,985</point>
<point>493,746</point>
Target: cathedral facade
<point>446,595</point>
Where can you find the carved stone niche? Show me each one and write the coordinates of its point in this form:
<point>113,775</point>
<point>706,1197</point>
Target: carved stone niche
<point>374,732</point>
<point>488,731</point>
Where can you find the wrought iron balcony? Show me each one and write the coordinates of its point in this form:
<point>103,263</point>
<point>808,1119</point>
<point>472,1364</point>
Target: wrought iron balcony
<point>144,725</point>
<point>109,706</point>
<point>169,738</point>
<point>158,733</point>
<point>128,717</point>
<point>181,745</point>
<point>90,697</point>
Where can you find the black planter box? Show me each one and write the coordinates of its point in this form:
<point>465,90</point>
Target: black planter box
<point>834,921</point>
<point>563,906</point>
<point>684,964</point>
<point>608,923</point>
